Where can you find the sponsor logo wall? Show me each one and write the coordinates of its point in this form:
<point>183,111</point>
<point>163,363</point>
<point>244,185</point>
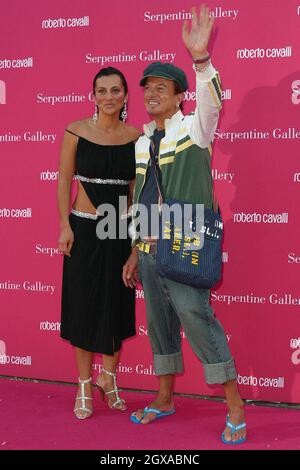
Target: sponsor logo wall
<point>46,82</point>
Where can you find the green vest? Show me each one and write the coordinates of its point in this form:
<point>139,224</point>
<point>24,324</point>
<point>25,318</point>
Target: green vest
<point>185,167</point>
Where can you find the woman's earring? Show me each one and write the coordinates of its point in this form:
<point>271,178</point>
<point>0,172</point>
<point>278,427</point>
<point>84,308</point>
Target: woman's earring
<point>95,115</point>
<point>124,112</point>
<point>177,104</point>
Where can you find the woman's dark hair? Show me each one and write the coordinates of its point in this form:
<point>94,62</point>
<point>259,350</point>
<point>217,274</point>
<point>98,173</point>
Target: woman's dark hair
<point>106,72</point>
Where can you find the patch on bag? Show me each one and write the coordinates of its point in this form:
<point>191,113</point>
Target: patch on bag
<point>194,240</point>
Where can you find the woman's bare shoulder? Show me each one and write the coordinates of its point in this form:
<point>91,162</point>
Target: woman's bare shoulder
<point>133,132</point>
<point>78,127</point>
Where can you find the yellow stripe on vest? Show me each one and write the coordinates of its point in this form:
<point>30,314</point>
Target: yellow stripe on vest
<point>219,82</point>
<point>184,146</point>
<point>169,145</point>
<point>214,94</point>
<point>142,155</point>
<point>163,161</point>
<point>217,85</point>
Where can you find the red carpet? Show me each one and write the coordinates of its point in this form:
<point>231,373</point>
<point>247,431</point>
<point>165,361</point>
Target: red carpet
<point>39,416</point>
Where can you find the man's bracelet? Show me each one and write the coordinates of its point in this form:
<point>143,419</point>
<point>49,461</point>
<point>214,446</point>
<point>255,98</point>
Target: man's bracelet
<point>201,68</point>
<point>201,61</point>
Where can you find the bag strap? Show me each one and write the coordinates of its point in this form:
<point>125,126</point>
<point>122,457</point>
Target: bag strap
<point>153,164</point>
<point>215,203</point>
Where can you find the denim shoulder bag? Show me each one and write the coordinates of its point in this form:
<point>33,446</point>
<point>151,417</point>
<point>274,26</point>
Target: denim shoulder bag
<point>189,248</point>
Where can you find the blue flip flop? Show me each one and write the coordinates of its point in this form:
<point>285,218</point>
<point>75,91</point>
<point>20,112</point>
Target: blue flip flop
<point>233,429</point>
<point>158,413</point>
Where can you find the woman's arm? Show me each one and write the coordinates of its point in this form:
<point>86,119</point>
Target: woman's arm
<point>66,173</point>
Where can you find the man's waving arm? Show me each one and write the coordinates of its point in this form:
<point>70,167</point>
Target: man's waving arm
<point>208,87</point>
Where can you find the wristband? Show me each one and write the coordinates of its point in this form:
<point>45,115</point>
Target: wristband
<point>203,67</point>
<point>201,61</point>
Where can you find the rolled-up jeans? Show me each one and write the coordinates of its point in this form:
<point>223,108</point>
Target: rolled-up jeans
<point>170,305</point>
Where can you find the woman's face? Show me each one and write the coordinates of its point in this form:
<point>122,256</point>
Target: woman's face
<point>109,94</point>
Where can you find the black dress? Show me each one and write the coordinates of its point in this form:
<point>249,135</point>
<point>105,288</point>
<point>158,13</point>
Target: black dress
<point>97,308</point>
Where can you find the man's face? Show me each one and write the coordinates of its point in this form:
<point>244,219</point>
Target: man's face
<point>159,97</point>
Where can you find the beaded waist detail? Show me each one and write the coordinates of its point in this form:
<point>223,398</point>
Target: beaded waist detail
<point>100,181</point>
<point>85,215</point>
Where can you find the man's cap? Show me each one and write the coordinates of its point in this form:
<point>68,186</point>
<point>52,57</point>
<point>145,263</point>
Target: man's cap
<point>167,71</point>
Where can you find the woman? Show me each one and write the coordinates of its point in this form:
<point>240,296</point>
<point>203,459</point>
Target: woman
<point>97,309</point>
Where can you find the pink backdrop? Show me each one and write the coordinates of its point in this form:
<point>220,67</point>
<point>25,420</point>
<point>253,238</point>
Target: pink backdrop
<point>50,52</point>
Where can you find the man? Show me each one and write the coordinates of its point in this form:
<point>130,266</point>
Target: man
<point>174,150</point>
